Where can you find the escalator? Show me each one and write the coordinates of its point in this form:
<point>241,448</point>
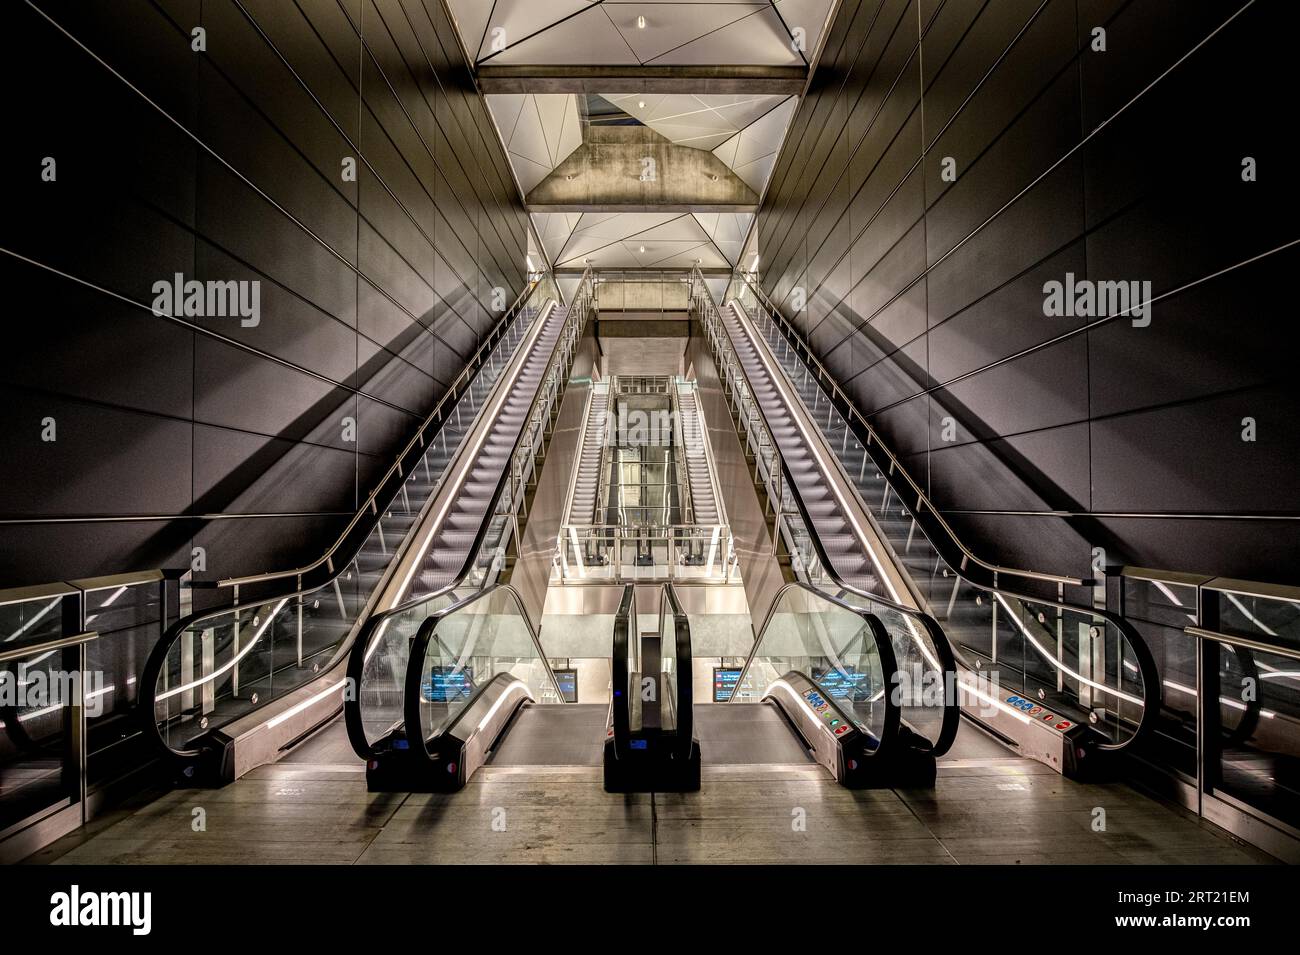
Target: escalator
<point>446,588</point>
<point>232,687</point>
<point>651,746</point>
<point>1064,683</point>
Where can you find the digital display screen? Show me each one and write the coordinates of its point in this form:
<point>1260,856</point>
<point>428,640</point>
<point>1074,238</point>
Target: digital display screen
<point>724,683</point>
<point>446,684</point>
<point>843,684</point>
<point>568,681</point>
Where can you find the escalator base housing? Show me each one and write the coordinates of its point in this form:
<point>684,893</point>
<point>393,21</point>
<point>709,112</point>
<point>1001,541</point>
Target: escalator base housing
<point>652,771</point>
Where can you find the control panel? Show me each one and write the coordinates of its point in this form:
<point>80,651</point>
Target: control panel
<point>827,712</point>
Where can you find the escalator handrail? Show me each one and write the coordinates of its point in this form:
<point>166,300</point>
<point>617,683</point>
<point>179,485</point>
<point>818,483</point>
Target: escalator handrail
<point>620,671</point>
<point>506,475</point>
<point>849,411</point>
<point>415,663</point>
<point>375,623</point>
<point>685,701</point>
<point>943,648</point>
<point>1151,686</point>
<point>403,464</point>
<point>158,655</point>
<point>884,647</point>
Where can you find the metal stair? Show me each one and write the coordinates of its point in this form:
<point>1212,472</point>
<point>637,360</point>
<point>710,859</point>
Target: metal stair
<point>455,537</point>
<point>831,525</point>
<point>582,507</point>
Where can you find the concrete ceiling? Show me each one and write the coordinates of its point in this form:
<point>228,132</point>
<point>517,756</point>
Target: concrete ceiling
<point>742,126</point>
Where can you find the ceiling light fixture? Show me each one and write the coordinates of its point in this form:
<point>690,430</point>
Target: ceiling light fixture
<point>640,104</point>
<point>643,248</point>
<point>640,23</point>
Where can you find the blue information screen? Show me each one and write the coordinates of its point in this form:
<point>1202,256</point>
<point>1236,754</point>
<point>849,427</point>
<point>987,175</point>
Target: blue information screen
<point>842,684</point>
<point>568,681</point>
<point>724,683</point>
<point>446,684</point>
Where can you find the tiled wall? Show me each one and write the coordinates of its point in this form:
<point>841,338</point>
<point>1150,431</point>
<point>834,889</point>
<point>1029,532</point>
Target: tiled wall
<point>228,163</point>
<point>925,294</point>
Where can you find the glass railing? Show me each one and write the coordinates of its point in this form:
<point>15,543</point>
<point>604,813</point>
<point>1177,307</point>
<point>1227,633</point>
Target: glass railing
<point>840,648</point>
<point>463,647</point>
<point>607,552</point>
<point>214,667</point>
<point>126,614</point>
<point>1228,654</point>
<point>1090,663</point>
<point>44,704</point>
<point>380,657</point>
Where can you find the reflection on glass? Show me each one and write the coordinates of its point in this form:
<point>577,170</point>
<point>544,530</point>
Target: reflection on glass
<point>471,643</point>
<point>830,644</point>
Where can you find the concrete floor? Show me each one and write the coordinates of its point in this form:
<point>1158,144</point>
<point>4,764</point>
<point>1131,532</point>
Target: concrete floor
<point>988,806</point>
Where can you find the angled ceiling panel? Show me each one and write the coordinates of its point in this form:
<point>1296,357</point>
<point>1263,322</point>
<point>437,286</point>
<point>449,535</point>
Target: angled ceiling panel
<point>587,38</point>
<point>751,153</point>
<point>672,25</point>
<point>539,131</point>
<point>519,19</point>
<point>759,39</point>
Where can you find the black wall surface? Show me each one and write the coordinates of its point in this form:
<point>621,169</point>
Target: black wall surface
<point>925,297</point>
<point>228,164</point>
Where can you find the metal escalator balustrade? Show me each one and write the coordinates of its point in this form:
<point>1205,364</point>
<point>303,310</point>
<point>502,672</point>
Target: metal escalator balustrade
<point>472,664</point>
<point>922,670</point>
<point>1060,667</point>
<point>211,669</point>
<point>444,570</point>
<point>658,514</point>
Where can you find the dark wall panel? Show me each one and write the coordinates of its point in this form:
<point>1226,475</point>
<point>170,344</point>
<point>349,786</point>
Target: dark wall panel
<point>925,294</point>
<point>227,165</point>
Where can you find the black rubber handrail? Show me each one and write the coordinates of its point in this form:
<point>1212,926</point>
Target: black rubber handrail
<point>884,459</point>
<point>414,676</point>
<point>884,648</point>
<point>624,624</point>
<point>685,702</point>
<point>1151,686</point>
<point>943,648</point>
<point>352,716</point>
<point>158,656</point>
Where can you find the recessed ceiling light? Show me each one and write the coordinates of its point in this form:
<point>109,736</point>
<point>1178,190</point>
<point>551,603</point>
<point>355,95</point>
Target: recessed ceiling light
<point>640,104</point>
<point>643,248</point>
<point>640,23</point>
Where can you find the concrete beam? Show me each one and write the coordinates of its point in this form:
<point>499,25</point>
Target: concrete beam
<point>634,169</point>
<point>755,80</point>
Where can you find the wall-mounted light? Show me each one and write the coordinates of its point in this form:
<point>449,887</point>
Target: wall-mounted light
<point>714,177</point>
<point>640,23</point>
<point>570,177</point>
